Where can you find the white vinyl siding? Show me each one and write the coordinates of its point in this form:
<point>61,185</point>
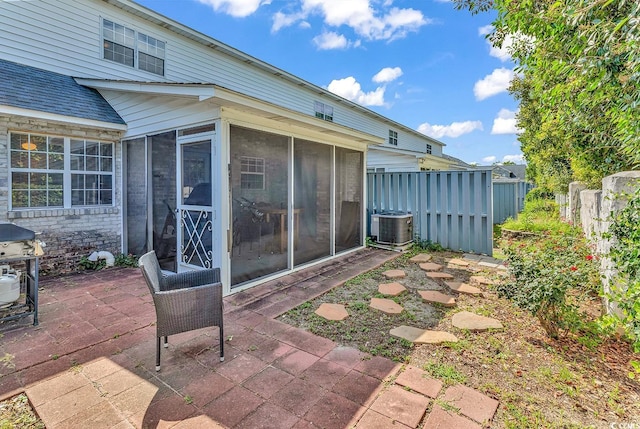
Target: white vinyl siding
<point>64,36</point>
<point>391,162</point>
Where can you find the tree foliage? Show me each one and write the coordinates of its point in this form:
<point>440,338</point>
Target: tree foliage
<point>578,84</point>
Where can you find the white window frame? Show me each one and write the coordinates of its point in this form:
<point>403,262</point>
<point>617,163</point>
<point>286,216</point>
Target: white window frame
<point>259,164</point>
<point>393,138</point>
<point>140,43</point>
<point>323,111</point>
<point>429,149</point>
<point>105,167</point>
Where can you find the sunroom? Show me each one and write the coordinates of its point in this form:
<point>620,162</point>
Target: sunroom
<point>217,179</point>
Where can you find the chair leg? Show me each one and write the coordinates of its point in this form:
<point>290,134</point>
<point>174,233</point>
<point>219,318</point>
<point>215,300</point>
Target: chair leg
<point>221,344</point>
<point>166,342</point>
<point>158,354</point>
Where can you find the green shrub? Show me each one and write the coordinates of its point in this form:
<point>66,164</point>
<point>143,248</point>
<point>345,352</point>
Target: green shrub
<point>540,193</point>
<point>551,277</point>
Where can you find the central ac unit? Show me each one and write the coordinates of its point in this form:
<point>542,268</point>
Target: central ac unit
<point>396,229</point>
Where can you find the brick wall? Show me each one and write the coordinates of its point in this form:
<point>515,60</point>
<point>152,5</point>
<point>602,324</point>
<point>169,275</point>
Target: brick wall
<point>69,234</point>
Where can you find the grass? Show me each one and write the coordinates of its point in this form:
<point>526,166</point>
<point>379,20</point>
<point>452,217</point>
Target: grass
<point>448,374</point>
<point>16,413</point>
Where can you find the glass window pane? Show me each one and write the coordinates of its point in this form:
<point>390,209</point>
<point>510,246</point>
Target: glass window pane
<point>19,159</point>
<point>38,160</point>
<point>56,145</point>
<point>19,199</point>
<point>77,181</point>
<point>77,162</point>
<point>106,164</point>
<point>20,180</point>
<point>38,180</point>
<point>56,161</point>
<point>38,198</point>
<point>92,163</point>
<point>55,198</point>
<point>17,140</point>
<point>55,181</point>
<point>106,149</point>
<point>77,146</point>
<point>91,148</point>
<point>77,198</point>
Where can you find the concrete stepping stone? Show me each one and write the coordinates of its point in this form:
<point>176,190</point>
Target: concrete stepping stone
<point>401,406</point>
<point>459,262</point>
<point>474,322</point>
<point>439,275</point>
<point>464,288</point>
<point>332,311</point>
<point>419,381</point>
<point>439,418</point>
<point>471,403</point>
<point>394,274</point>
<point>422,336</point>
<point>386,305</point>
<point>422,257</point>
<point>436,297</point>
<point>391,289</point>
<point>481,280</point>
<point>488,264</point>
<point>430,266</point>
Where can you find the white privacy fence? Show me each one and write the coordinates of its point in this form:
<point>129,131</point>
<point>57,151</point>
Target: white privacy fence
<point>451,208</point>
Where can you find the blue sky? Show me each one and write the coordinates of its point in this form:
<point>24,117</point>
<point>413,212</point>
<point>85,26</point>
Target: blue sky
<point>418,62</point>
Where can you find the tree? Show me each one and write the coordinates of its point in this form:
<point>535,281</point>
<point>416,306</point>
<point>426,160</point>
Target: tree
<point>578,84</point>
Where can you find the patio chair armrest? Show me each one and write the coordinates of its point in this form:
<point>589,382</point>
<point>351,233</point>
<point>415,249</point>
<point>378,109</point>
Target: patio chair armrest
<point>190,279</point>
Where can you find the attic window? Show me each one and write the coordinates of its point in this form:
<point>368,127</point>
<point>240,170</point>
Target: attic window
<point>393,138</point>
<point>134,49</point>
<point>324,111</point>
<point>428,148</point>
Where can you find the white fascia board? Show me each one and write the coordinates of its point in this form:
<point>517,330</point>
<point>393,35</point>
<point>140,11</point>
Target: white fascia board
<point>72,120</point>
<point>400,151</point>
<point>201,91</point>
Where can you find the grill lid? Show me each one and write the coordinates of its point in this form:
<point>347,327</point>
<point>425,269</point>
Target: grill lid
<point>13,232</point>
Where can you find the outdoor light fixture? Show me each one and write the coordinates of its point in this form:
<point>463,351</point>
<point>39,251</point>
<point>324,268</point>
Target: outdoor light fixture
<point>28,146</point>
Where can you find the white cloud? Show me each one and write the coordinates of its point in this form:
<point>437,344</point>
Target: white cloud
<point>350,89</point>
<point>485,30</point>
<point>453,130</point>
<point>495,83</point>
<point>387,74</point>
<point>237,8</point>
<point>361,15</point>
<point>330,40</point>
<point>281,20</point>
<point>489,159</point>
<point>505,123</point>
<point>518,159</point>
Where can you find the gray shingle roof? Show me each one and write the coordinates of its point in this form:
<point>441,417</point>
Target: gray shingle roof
<point>44,91</point>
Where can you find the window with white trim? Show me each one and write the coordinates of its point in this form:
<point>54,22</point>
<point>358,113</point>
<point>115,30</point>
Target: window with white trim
<point>429,148</point>
<point>393,138</point>
<point>53,171</point>
<point>251,173</point>
<point>127,46</point>
<point>323,111</point>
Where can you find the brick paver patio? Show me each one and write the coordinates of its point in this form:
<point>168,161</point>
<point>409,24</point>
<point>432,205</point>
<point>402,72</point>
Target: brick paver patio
<point>90,363</point>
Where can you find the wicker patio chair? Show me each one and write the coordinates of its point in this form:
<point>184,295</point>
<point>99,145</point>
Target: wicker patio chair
<point>184,301</point>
